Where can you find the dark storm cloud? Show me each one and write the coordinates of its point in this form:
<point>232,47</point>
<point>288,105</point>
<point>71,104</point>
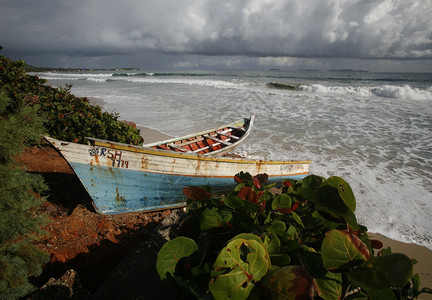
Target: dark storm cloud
<point>390,29</point>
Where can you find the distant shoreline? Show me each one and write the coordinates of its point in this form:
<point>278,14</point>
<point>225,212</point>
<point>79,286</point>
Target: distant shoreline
<point>29,68</point>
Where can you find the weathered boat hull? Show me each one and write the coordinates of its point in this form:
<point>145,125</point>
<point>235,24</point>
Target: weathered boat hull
<point>122,178</point>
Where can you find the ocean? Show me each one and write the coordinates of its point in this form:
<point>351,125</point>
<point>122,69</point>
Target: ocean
<point>372,129</point>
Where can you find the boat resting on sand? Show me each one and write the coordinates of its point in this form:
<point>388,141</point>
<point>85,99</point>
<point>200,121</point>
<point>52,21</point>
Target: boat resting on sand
<point>213,142</point>
<point>124,178</point>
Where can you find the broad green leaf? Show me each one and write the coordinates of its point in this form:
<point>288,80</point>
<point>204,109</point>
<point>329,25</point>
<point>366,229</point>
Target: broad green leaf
<point>330,286</point>
<point>312,181</point>
<point>288,282</point>
<point>240,204</point>
<point>248,236</point>
<point>172,252</point>
<point>351,220</point>
<point>277,227</point>
<point>238,266</point>
<point>307,193</point>
<point>292,232</point>
<point>381,294</point>
<point>212,218</point>
<point>281,201</point>
<point>385,271</point>
<point>280,259</point>
<point>344,190</point>
<point>343,250</point>
<point>272,243</point>
<point>297,219</point>
<point>329,200</point>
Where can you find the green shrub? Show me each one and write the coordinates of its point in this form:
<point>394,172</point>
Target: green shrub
<point>302,242</point>
<point>20,219</point>
<point>65,116</point>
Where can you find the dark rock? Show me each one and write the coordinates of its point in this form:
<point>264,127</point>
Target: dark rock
<point>67,287</point>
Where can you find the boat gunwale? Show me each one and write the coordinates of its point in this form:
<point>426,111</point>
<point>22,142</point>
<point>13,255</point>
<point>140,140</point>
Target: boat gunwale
<point>194,156</point>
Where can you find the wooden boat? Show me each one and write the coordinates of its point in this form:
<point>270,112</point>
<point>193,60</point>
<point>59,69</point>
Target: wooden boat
<point>125,178</point>
<point>214,142</point>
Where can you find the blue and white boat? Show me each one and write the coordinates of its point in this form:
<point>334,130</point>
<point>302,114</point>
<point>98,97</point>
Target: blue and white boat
<point>124,178</point>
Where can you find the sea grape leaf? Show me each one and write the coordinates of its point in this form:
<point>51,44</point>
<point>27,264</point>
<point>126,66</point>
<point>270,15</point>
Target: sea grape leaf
<point>238,203</point>
<point>344,190</point>
<point>281,201</point>
<point>248,194</point>
<point>288,282</point>
<point>277,227</point>
<point>280,259</point>
<point>307,193</point>
<point>238,266</point>
<point>260,180</point>
<point>312,181</point>
<point>343,250</point>
<point>248,236</point>
<point>351,220</point>
<point>329,201</point>
<point>292,232</point>
<point>330,286</point>
<point>272,243</point>
<point>297,219</point>
<point>242,177</point>
<point>385,271</point>
<point>171,252</point>
<point>212,218</point>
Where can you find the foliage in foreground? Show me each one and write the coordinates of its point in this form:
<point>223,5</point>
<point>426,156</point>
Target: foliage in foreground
<point>304,242</point>
<point>65,116</point>
<point>20,220</point>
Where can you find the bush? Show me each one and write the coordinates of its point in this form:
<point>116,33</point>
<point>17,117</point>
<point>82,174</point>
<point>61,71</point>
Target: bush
<point>65,116</point>
<point>302,242</point>
<point>20,219</point>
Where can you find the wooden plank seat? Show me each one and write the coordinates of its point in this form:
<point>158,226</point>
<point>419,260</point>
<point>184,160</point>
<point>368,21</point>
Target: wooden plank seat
<point>227,135</point>
<point>226,142</point>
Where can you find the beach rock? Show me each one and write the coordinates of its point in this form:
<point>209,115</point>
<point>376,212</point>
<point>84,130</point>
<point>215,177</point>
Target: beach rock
<point>66,287</point>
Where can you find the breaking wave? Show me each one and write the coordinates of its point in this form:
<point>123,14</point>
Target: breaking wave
<point>387,91</point>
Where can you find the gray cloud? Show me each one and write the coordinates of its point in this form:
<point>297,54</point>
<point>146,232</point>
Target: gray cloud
<point>372,29</point>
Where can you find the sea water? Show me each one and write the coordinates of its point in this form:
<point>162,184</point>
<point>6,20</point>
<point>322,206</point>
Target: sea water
<point>372,129</point>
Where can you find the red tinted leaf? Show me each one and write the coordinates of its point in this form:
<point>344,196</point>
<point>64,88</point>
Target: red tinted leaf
<point>262,179</point>
<point>238,179</point>
<point>286,183</point>
<point>247,193</point>
<point>289,210</point>
<point>376,244</point>
<point>196,193</point>
<point>263,205</point>
<point>256,183</point>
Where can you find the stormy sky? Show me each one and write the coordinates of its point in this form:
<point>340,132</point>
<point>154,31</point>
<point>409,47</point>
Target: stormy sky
<point>374,35</point>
